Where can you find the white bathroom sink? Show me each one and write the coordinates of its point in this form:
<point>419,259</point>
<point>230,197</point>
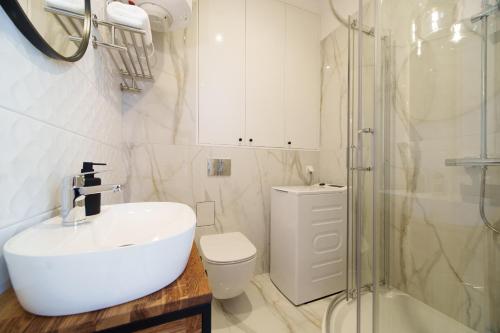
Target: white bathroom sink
<point>126,252</point>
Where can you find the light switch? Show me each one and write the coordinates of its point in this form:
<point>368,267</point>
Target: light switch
<point>205,213</point>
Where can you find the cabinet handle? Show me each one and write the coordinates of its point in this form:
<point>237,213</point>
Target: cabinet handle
<point>289,142</point>
<point>251,140</point>
<point>240,139</point>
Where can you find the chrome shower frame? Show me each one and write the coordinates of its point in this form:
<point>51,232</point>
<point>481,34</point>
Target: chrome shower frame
<point>361,126</point>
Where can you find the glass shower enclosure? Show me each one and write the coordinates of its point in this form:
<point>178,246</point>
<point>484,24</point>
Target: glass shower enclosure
<point>423,168</point>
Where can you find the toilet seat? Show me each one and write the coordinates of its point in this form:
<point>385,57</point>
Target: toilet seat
<point>229,262</point>
<point>227,249</point>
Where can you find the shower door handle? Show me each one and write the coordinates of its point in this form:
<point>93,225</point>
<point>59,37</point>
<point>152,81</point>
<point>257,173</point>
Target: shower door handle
<point>367,130</point>
<point>367,169</point>
<point>358,168</point>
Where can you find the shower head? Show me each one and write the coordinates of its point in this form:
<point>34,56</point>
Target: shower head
<point>487,11</point>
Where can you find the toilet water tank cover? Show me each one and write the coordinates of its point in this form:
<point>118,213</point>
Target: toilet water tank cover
<point>227,248</point>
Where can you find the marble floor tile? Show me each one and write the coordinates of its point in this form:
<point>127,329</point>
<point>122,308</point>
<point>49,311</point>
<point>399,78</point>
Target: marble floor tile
<point>262,308</point>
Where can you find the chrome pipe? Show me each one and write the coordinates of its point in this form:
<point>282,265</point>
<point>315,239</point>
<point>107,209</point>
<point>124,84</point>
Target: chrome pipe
<point>130,71</point>
<point>139,76</point>
<point>119,26</point>
<point>134,43</point>
<point>353,150</point>
<point>360,176</point>
<point>336,300</point>
<point>64,13</point>
<point>483,161</point>
<point>75,27</point>
<point>348,156</point>
<point>117,66</point>
<point>124,61</point>
<point>327,317</point>
<point>386,146</point>
<point>72,38</point>
<point>482,194</point>
<point>75,38</point>
<point>124,40</point>
<point>62,24</point>
<point>96,43</point>
<point>130,89</point>
<point>484,124</point>
<point>112,33</point>
<point>376,114</point>
<point>484,89</point>
<point>146,55</point>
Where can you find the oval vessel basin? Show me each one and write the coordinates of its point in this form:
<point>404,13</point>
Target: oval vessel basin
<point>126,252</point>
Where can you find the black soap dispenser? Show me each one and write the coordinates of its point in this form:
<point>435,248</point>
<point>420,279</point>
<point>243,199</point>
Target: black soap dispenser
<point>92,201</point>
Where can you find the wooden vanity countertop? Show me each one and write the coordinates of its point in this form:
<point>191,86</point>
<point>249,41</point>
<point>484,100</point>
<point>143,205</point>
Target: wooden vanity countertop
<point>189,290</point>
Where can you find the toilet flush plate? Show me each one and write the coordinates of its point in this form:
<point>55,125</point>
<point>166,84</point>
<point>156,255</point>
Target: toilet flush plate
<point>219,167</point>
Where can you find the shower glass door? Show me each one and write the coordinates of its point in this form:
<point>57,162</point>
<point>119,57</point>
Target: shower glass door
<point>434,99</point>
<point>362,167</point>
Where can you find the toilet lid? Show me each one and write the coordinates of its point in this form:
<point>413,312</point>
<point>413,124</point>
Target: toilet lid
<point>227,248</point>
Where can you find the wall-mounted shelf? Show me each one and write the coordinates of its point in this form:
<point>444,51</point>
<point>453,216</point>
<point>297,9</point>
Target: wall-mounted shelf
<point>127,48</point>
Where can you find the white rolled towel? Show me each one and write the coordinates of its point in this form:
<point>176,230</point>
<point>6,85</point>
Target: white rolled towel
<point>73,6</point>
<point>131,16</point>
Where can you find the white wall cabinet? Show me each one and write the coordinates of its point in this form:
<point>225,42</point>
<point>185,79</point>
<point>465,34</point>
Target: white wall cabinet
<point>302,76</point>
<point>221,75</point>
<point>259,74</point>
<point>265,72</point>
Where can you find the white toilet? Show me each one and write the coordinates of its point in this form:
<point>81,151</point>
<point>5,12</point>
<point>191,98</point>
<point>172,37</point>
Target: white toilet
<point>230,262</point>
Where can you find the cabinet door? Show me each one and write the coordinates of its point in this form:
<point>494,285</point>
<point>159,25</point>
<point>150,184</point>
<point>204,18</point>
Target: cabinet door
<point>265,52</point>
<point>302,77</point>
<point>221,71</point>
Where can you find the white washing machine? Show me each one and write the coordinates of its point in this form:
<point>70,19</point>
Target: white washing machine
<point>308,240</point>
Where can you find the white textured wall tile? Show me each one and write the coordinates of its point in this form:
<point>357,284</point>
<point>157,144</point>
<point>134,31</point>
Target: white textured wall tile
<point>53,116</point>
<point>8,232</point>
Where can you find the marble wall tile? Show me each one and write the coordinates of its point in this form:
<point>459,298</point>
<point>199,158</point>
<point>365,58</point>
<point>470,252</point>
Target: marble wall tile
<point>160,130</point>
<point>334,95</point>
<point>242,201</point>
<point>435,115</point>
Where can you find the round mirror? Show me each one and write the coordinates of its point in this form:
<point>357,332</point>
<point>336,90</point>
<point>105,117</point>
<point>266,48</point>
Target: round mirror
<point>58,28</point>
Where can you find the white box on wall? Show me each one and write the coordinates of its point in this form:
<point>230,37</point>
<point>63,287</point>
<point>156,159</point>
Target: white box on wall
<point>205,213</point>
